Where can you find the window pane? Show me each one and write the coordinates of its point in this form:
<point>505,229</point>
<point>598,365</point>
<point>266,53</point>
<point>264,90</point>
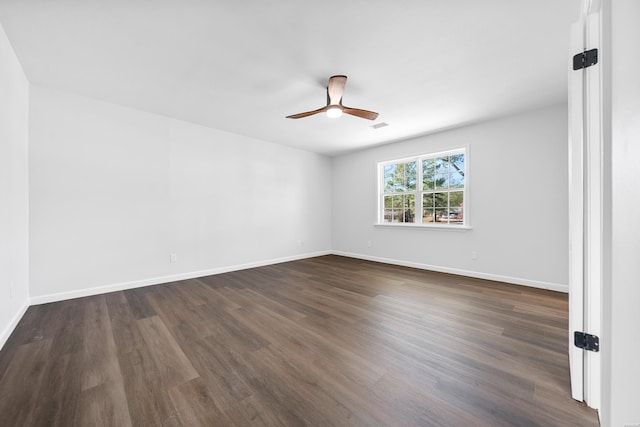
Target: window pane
<point>400,177</point>
<point>440,215</point>
<point>427,200</point>
<point>449,217</point>
<point>456,179</point>
<point>403,215</point>
<point>409,211</point>
<point>403,208</point>
<point>387,202</point>
<point>428,183</point>
<point>396,202</point>
<point>442,182</point>
<point>441,200</point>
<point>388,208</point>
<point>411,175</point>
<point>456,219</point>
<point>400,208</point>
<point>389,171</point>
<point>428,215</point>
<point>457,162</point>
<point>442,165</point>
<point>428,171</point>
<point>411,183</point>
<point>456,199</point>
<point>429,166</point>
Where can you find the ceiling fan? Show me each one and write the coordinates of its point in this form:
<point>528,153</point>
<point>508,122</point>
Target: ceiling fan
<point>334,107</point>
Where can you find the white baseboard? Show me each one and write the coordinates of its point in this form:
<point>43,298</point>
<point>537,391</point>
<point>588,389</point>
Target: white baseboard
<point>60,296</point>
<point>478,275</point>
<point>6,332</point>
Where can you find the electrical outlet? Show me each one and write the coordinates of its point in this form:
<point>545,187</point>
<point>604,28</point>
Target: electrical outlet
<point>474,255</point>
<point>300,243</point>
<point>369,244</point>
<point>173,258</point>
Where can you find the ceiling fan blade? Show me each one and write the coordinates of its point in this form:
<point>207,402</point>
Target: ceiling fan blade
<point>365,114</point>
<point>308,113</point>
<point>335,89</point>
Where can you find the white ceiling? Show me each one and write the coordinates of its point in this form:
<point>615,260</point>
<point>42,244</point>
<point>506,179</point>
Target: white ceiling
<point>242,66</point>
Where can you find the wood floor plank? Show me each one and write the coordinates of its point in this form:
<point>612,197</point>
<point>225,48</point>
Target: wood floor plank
<point>58,396</point>
<point>174,309</point>
<point>102,399</point>
<point>396,395</point>
<point>195,405</point>
<point>21,382</point>
<point>146,390</point>
<point>168,357</point>
<point>139,304</point>
<point>325,341</point>
<point>103,405</point>
<point>310,401</point>
<point>194,291</point>
<point>124,325</point>
<point>218,365</point>
<point>100,363</point>
<point>309,345</point>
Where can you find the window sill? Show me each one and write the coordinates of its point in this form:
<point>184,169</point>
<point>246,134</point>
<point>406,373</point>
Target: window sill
<point>425,227</point>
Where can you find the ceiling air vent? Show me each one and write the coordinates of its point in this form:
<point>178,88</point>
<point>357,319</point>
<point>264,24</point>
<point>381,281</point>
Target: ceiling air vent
<point>380,125</point>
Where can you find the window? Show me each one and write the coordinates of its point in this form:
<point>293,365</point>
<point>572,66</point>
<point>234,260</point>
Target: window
<point>424,190</point>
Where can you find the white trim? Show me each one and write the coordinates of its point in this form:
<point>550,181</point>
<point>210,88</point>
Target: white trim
<point>60,296</point>
<point>558,287</point>
<point>586,209</point>
<point>428,155</point>
<point>576,214</point>
<point>594,207</point>
<point>8,330</point>
<point>447,227</point>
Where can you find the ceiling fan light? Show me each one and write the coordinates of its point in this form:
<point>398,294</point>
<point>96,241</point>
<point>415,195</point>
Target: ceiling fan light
<point>334,112</point>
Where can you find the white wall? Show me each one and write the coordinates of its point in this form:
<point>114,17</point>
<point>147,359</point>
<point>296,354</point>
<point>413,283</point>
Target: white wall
<point>14,198</point>
<point>517,203</point>
<point>621,291</point>
<point>114,191</point>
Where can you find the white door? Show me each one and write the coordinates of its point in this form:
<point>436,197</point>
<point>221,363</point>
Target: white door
<point>585,210</point>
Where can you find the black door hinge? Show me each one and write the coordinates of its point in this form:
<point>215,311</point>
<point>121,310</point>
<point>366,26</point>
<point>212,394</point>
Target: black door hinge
<point>585,59</point>
<point>586,341</point>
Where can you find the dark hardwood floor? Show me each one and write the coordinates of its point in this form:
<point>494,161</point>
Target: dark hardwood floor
<point>321,342</point>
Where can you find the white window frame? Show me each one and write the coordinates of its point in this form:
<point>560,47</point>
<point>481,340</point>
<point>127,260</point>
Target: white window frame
<point>419,191</point>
